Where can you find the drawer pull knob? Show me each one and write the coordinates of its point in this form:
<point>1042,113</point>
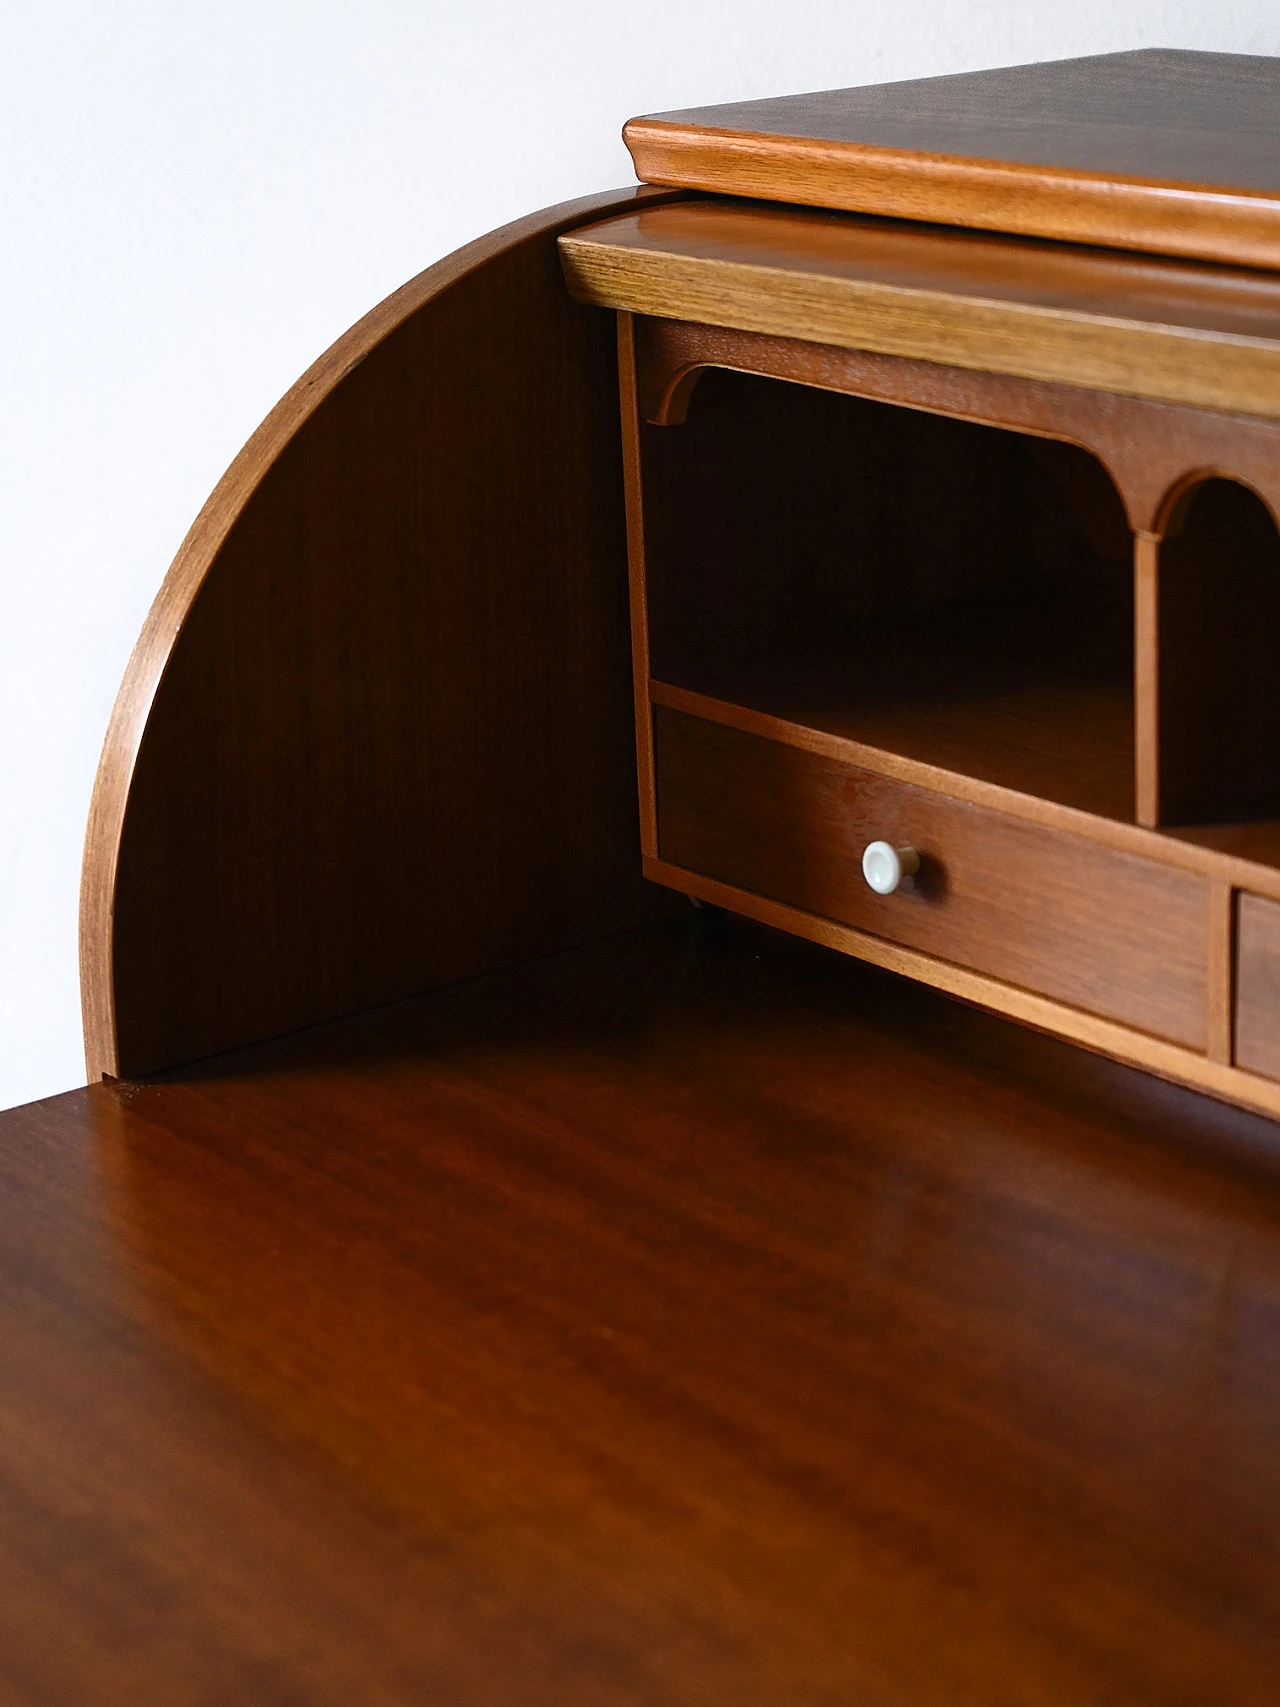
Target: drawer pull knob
<point>885,866</point>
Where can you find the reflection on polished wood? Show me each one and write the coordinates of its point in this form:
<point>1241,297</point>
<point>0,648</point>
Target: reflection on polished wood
<point>1175,331</point>
<point>1157,148</point>
<point>698,1318</point>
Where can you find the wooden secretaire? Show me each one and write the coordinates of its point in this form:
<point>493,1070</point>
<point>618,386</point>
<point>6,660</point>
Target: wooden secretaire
<point>476,1275</point>
<point>954,574</point>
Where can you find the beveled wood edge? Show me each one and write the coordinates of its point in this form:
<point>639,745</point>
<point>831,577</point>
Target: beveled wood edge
<point>197,555</point>
<point>1222,371</point>
<point>1200,221</point>
<point>1104,1037</point>
<point>1114,833</point>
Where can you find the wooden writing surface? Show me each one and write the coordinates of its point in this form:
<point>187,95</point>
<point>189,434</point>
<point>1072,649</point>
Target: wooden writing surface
<point>1167,150</point>
<point>696,1320</point>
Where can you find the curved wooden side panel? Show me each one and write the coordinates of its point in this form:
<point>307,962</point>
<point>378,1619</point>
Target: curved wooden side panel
<point>376,734</point>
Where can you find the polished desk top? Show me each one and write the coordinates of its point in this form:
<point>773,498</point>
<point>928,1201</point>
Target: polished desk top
<point>697,1318</point>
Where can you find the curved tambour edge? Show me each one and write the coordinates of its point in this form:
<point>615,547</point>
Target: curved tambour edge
<point>376,734</point>
<point>1174,331</point>
<point>1166,151</point>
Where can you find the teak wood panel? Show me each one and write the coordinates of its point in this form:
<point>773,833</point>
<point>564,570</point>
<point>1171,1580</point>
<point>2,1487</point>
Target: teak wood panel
<point>1157,149</point>
<point>1154,452</point>
<point>1173,331</point>
<point>1205,653</point>
<point>697,1320</point>
<point>377,733</point>
<point>1084,925</point>
<point>1257,1027</point>
<point>954,594</point>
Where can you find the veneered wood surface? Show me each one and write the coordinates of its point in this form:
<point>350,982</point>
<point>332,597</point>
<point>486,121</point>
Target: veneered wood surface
<point>1174,331</point>
<point>1153,451</point>
<point>700,1320</point>
<point>376,735</point>
<point>1081,924</point>
<point>1257,1029</point>
<point>1159,149</point>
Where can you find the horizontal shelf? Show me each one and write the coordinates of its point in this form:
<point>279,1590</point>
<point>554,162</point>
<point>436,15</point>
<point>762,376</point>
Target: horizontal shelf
<point>1257,842</point>
<point>1247,856</point>
<point>992,707</point>
<point>1176,331</point>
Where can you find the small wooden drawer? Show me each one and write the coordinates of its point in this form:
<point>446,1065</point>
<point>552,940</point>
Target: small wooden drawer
<point>1258,985</point>
<point>1109,932</point>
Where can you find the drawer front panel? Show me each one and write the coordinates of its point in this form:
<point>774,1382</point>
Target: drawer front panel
<point>1258,985</point>
<point>1108,932</point>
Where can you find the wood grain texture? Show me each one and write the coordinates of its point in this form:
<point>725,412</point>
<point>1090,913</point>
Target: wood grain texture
<point>1173,1062</point>
<point>1154,452</point>
<point>1246,854</point>
<point>1165,150</point>
<point>1173,331</point>
<point>376,734</point>
<point>955,595</point>
<point>700,1320</point>
<point>1258,985</point>
<point>1082,925</point>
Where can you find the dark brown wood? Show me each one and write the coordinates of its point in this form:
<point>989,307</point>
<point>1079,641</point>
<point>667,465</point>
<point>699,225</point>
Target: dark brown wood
<point>873,580</point>
<point>1160,149</point>
<point>1258,985</point>
<point>633,488</point>
<point>1154,452</point>
<point>1220,981</point>
<point>925,586</point>
<point>1097,929</point>
<point>700,1320</point>
<point>377,735</point>
<point>1219,649</point>
<point>1146,678</point>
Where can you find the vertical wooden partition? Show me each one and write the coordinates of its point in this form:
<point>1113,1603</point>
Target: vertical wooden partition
<point>1217,638</point>
<point>970,583</point>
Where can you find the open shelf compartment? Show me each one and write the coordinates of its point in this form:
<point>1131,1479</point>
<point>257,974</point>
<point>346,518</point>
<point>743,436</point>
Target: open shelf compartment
<point>955,594</point>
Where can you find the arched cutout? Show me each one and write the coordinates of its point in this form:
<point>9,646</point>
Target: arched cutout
<point>1219,655</point>
<point>956,593</point>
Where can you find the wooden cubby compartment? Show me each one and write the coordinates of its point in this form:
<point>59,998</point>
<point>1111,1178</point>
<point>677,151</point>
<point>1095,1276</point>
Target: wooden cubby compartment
<point>956,594</point>
<point>1219,659</point>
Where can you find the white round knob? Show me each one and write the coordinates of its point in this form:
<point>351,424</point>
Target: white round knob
<point>885,866</point>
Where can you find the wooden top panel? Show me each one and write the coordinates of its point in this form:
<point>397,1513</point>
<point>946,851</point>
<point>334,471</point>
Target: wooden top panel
<point>1174,330</point>
<point>699,1320</point>
<point>1159,149</point>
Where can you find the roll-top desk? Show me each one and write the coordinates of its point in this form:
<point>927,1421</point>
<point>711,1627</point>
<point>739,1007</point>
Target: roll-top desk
<point>476,1276</point>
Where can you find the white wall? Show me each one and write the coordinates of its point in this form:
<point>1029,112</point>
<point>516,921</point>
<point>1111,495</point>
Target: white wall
<point>197,198</point>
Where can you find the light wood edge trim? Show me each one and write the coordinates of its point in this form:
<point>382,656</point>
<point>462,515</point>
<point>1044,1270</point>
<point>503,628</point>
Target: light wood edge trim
<point>1146,678</point>
<point>1220,971</point>
<point>1031,808</point>
<point>1104,1037</point>
<point>1171,364</point>
<point>1204,222</point>
<point>195,558</point>
<point>633,489</point>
